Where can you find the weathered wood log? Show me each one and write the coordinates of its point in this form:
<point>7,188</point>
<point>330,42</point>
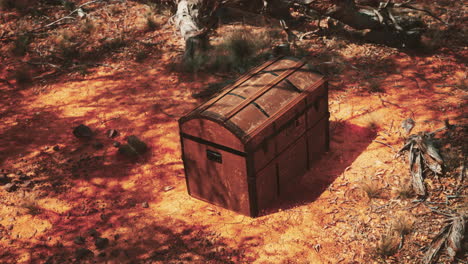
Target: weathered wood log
<point>436,245</point>
<point>371,19</point>
<point>455,236</point>
<point>188,19</point>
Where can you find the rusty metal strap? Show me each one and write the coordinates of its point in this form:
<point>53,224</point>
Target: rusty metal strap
<point>263,90</point>
<point>254,103</point>
<point>239,81</point>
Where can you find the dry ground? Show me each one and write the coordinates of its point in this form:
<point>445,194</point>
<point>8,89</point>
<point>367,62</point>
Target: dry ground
<point>70,193</point>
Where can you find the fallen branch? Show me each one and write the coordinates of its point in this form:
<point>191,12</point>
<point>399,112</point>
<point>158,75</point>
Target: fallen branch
<point>451,236</point>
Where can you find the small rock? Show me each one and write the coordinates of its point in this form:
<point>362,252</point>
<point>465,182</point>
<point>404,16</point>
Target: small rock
<point>139,146</point>
<point>104,217</point>
<point>116,144</point>
<point>116,237</point>
<point>79,240</point>
<point>112,133</point>
<point>145,205</point>
<point>11,187</point>
<point>82,131</point>
<point>56,148</point>
<point>81,253</point>
<point>4,179</point>
<point>92,232</point>
<point>28,184</point>
<point>168,188</point>
<point>408,125</point>
<point>10,227</point>
<point>281,49</point>
<point>127,151</point>
<point>98,145</point>
<point>24,177</point>
<point>101,242</point>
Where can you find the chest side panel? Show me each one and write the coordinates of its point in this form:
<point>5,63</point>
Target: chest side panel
<point>216,176</point>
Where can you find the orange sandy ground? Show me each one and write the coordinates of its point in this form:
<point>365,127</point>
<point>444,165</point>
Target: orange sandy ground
<point>329,225</point>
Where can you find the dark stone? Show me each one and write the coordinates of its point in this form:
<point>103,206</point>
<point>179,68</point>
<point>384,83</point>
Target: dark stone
<point>139,146</point>
<point>112,133</point>
<point>4,179</point>
<point>408,125</point>
<point>101,242</point>
<point>98,145</point>
<point>104,217</point>
<point>24,177</point>
<point>116,144</point>
<point>11,187</point>
<point>56,148</point>
<point>281,49</point>
<point>79,240</point>
<point>81,253</point>
<point>145,205</point>
<point>28,184</point>
<point>92,232</point>
<point>82,131</point>
<point>127,151</point>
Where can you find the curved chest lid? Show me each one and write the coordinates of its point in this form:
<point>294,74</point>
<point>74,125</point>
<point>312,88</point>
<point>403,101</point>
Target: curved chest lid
<point>258,95</point>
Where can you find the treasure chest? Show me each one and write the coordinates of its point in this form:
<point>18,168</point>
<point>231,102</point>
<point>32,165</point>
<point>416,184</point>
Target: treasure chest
<point>243,147</point>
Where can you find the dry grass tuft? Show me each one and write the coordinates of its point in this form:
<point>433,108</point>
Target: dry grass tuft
<point>32,207</point>
<point>388,245</point>
<point>374,86</point>
<point>151,23</point>
<point>370,187</point>
<point>237,51</point>
<point>405,190</point>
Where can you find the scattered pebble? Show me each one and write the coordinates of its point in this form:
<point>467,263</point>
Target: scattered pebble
<point>11,187</point>
<point>139,146</point>
<point>56,148</point>
<point>104,217</point>
<point>4,179</point>
<point>145,205</point>
<point>79,240</point>
<point>168,188</point>
<point>116,144</point>
<point>28,184</point>
<point>23,177</point>
<point>112,133</point>
<point>92,232</point>
<point>82,131</point>
<point>101,242</point>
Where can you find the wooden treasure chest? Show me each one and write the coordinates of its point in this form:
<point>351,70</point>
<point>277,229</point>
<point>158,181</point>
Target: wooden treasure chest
<point>243,147</point>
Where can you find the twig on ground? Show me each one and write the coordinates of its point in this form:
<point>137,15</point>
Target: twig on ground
<point>385,144</point>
